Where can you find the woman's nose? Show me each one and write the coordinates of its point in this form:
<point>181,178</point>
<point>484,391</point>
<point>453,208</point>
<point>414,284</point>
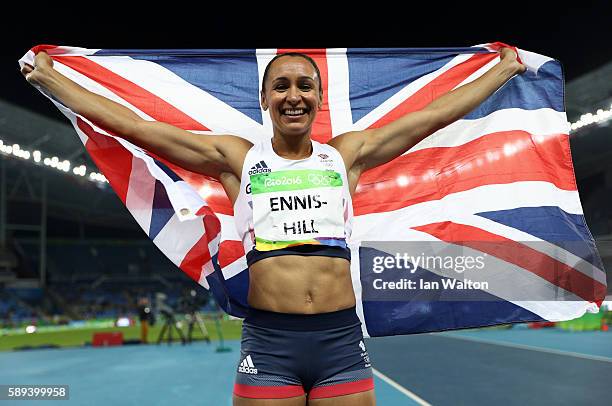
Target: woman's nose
<point>293,94</point>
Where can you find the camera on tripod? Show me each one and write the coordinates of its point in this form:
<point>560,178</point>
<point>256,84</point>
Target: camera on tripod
<point>170,322</point>
<point>189,303</point>
<point>191,306</point>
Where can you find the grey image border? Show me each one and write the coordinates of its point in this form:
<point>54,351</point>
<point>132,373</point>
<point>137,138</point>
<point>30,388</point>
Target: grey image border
<point>51,392</point>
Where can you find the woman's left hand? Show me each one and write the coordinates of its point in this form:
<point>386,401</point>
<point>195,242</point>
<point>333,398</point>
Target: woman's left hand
<point>509,57</point>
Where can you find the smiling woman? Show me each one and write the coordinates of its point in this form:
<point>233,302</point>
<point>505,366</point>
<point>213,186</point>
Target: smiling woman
<point>292,196</point>
<point>292,92</point>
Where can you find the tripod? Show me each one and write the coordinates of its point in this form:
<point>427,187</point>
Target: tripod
<point>168,326</point>
<point>194,318</point>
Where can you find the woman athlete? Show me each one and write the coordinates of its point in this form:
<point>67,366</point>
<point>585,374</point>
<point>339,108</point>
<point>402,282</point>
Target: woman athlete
<point>302,341</point>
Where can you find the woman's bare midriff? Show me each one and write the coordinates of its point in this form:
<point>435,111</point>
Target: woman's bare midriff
<point>301,284</point>
<point>295,283</point>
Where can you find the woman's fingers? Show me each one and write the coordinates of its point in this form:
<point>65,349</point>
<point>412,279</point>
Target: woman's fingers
<point>42,63</point>
<point>510,56</point>
<point>26,69</point>
<point>508,53</point>
<point>43,59</point>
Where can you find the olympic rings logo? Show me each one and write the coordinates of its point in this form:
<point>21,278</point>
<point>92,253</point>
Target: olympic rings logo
<point>320,180</point>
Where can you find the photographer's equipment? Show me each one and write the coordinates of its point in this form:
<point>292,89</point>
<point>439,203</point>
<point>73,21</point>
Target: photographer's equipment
<point>170,322</point>
<point>194,317</point>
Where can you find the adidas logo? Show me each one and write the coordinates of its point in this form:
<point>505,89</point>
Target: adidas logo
<point>259,167</point>
<point>247,366</point>
<point>362,345</point>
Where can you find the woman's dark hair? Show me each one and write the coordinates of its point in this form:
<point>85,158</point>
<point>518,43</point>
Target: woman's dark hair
<point>300,55</point>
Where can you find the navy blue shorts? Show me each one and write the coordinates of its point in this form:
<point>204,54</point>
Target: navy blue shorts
<point>286,355</point>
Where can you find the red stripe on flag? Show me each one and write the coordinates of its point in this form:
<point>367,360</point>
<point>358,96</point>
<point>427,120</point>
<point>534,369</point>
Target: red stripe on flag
<point>209,188</point>
<point>195,259</point>
<point>161,111</point>
<point>514,252</point>
<point>142,99</point>
<point>230,251</point>
<point>110,157</point>
<point>464,167</point>
<point>212,225</point>
<point>204,211</point>
<point>43,47</point>
<point>436,88</point>
<point>321,127</point>
<point>497,46</point>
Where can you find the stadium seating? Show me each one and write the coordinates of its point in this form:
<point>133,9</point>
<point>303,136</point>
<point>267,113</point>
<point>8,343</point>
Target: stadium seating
<point>93,280</point>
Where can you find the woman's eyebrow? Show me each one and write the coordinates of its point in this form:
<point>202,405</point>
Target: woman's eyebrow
<point>281,78</point>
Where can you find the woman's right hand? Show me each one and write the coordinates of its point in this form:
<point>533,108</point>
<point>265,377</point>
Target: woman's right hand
<point>42,64</point>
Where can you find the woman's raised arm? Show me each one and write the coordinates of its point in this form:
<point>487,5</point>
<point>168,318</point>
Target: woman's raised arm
<point>367,149</point>
<point>207,154</point>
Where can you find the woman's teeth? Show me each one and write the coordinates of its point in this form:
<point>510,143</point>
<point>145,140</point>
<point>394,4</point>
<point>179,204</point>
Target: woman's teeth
<point>295,112</point>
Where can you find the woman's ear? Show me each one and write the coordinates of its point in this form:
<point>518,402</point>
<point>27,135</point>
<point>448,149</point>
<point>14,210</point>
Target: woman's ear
<point>264,102</point>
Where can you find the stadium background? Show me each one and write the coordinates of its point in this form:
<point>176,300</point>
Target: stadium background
<point>73,262</point>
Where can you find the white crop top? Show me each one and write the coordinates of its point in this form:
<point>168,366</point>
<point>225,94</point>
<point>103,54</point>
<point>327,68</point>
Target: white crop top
<point>287,206</point>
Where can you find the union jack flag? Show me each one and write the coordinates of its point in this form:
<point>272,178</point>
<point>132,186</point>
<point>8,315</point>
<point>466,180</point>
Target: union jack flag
<point>502,173</point>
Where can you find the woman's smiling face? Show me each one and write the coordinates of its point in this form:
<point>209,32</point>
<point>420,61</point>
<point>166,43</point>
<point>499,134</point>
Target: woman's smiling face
<point>292,95</point>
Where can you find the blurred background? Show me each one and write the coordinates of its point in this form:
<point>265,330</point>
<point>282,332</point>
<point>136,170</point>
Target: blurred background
<point>75,268</point>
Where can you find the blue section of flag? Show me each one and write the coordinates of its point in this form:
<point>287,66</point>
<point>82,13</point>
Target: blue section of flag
<point>161,211</point>
<point>405,311</point>
<point>230,294</point>
<point>384,52</point>
<point>173,52</point>
<point>374,78</point>
<point>237,287</point>
<point>529,91</point>
<point>395,318</point>
<point>229,75</point>
<point>167,170</point>
<point>551,224</point>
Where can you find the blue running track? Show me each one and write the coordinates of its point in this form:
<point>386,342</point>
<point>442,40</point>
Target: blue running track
<point>501,367</point>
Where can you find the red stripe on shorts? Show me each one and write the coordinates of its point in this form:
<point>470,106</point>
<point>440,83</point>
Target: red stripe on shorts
<point>268,392</point>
